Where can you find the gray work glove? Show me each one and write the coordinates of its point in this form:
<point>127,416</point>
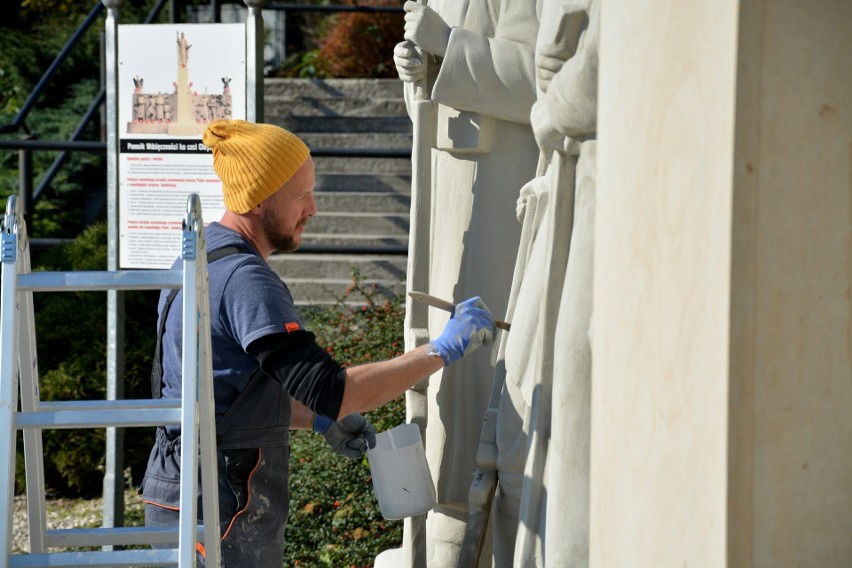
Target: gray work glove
<point>351,436</point>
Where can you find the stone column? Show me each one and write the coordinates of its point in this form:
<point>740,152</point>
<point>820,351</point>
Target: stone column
<point>722,380</point>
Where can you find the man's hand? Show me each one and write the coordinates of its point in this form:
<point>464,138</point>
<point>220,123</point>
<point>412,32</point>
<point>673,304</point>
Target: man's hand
<point>426,28</point>
<point>470,326</point>
<point>409,63</point>
<point>351,436</point>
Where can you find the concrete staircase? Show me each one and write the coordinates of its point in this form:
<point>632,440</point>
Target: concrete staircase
<point>363,202</point>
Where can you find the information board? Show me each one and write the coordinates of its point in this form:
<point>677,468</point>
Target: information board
<point>174,79</point>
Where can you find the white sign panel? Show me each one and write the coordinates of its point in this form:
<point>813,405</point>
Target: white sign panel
<point>174,79</point>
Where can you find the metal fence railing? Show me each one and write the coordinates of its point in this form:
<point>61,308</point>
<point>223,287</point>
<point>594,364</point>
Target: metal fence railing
<point>28,144</point>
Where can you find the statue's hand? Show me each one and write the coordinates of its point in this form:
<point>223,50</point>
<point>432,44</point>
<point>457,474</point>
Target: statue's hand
<point>549,59</point>
<point>531,190</point>
<point>409,63</point>
<point>548,138</point>
<point>426,28</point>
<point>523,200</point>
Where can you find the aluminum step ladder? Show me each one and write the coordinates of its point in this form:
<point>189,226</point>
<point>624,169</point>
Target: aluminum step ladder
<point>194,413</point>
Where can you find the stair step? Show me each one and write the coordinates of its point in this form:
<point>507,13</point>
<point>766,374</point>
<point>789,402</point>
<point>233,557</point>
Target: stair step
<point>373,182</point>
<point>338,266</point>
<point>362,202</point>
<point>281,108</point>
<point>304,124</point>
<point>360,223</point>
<point>401,166</point>
<point>356,240</point>
<point>357,139</point>
<point>283,88</point>
<point>317,291</point>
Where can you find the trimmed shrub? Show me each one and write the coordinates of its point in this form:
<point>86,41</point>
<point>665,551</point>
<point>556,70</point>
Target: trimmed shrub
<point>334,515</point>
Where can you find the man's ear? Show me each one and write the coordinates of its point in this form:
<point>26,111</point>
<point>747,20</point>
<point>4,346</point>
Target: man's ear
<point>256,211</point>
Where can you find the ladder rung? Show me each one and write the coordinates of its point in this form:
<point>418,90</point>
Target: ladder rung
<point>67,538</point>
<point>101,414</point>
<point>117,558</point>
<point>100,280</point>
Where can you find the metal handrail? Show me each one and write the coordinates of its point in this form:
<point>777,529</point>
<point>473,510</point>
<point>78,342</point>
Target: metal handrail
<point>87,118</point>
<point>316,8</point>
<point>27,145</point>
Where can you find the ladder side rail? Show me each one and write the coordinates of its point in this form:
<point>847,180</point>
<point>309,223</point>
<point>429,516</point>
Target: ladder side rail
<point>8,370</point>
<point>29,392</point>
<point>189,420</point>
<point>207,414</point>
<point>195,306</point>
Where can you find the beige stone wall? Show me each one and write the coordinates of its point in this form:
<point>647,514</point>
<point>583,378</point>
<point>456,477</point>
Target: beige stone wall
<point>722,382</point>
<point>791,326</point>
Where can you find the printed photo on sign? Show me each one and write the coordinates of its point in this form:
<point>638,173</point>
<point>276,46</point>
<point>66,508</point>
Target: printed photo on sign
<point>174,79</point>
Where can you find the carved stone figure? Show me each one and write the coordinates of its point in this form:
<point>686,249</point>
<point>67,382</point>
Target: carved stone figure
<point>183,49</point>
<point>160,105</point>
<point>540,421</point>
<point>141,103</point>
<point>482,84</point>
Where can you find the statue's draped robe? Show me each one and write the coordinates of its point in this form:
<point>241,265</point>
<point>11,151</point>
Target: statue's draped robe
<point>557,522</point>
<point>487,72</point>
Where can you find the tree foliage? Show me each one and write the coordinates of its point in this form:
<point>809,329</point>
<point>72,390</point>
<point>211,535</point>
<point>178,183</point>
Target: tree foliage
<point>349,44</point>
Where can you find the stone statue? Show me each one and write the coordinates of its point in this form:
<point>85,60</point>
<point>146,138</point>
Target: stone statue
<point>160,105</point>
<point>536,434</point>
<point>139,107</point>
<point>183,49</point>
<point>482,87</point>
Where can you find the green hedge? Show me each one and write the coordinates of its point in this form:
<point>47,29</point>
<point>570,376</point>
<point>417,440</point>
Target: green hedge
<point>334,517</point>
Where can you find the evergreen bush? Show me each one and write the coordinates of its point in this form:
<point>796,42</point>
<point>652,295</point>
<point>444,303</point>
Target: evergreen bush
<point>334,517</point>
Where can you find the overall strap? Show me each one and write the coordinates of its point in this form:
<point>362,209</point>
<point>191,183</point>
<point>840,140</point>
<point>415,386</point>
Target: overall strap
<point>157,366</point>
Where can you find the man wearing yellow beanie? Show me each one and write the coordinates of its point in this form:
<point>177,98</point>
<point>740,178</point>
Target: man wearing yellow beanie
<point>270,375</point>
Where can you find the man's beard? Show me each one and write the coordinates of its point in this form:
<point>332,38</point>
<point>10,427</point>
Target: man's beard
<point>283,242</point>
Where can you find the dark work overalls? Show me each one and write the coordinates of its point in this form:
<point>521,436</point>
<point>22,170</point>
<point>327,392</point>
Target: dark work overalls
<point>253,447</point>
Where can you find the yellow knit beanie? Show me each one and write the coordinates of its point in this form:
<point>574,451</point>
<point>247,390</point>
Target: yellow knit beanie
<point>252,160</point>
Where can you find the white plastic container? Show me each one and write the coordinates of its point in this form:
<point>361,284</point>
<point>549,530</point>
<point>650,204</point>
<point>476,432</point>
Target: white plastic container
<point>401,477</point>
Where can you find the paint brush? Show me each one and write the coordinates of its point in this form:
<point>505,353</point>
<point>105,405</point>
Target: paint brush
<point>435,302</point>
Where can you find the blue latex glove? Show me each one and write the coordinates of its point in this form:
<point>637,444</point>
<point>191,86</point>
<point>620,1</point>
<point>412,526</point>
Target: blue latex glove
<point>349,436</point>
<point>470,326</point>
